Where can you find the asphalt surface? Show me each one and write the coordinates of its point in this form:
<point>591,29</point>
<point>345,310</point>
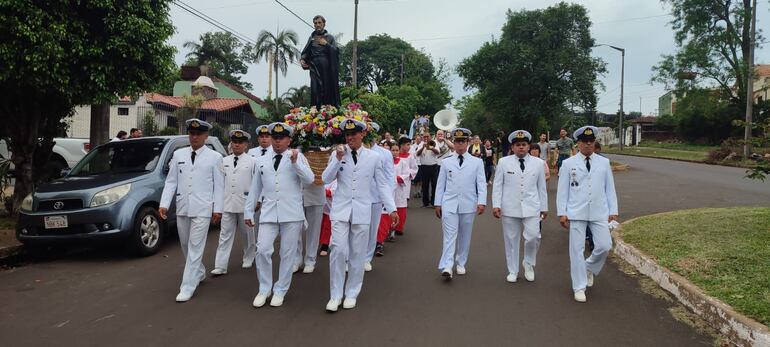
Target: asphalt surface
<point>96,298</point>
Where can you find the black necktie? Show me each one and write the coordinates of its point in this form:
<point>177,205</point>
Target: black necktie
<point>235,161</point>
<point>193,157</point>
<point>355,156</point>
<point>277,161</point>
<point>264,150</point>
<point>460,158</point>
<point>521,164</point>
<point>588,163</point>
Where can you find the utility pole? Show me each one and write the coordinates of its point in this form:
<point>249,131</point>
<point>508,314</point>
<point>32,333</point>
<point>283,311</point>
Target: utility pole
<point>354,63</point>
<point>622,78</point>
<point>750,82</point>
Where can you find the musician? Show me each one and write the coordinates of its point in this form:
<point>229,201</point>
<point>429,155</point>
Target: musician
<point>428,154</point>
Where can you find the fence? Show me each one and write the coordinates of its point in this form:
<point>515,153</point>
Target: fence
<point>156,121</point>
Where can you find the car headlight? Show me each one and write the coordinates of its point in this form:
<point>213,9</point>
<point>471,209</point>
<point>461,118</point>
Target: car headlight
<point>111,195</point>
<point>26,204</point>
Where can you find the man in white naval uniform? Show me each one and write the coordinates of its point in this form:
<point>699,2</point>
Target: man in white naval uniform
<point>238,169</point>
<point>520,198</point>
<point>264,143</point>
<point>386,160</point>
<point>313,200</point>
<point>278,183</point>
<point>586,198</point>
<point>195,182</point>
<point>461,192</point>
<point>353,166</point>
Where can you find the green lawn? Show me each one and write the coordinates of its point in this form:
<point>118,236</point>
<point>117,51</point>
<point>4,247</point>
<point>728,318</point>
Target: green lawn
<point>677,146</point>
<point>724,251</point>
<point>689,155</point>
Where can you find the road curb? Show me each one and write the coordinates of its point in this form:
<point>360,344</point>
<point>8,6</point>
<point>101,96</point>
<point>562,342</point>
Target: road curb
<point>737,328</point>
<point>681,160</point>
<point>10,251</point>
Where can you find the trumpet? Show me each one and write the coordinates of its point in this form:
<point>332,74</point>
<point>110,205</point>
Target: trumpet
<point>431,144</point>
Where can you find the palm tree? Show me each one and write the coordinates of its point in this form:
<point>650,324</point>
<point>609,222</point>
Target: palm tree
<point>296,97</point>
<point>202,53</point>
<point>280,49</point>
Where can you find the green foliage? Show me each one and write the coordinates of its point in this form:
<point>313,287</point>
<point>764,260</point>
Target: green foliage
<point>713,41</point>
<point>168,131</point>
<point>762,170</point>
<point>297,97</point>
<point>223,54</point>
<point>280,51</point>
<point>540,68</point>
<point>705,115</point>
<point>149,125</point>
<point>63,53</point>
<point>219,132</point>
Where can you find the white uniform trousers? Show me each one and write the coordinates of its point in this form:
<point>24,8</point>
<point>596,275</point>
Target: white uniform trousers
<point>577,240</point>
<point>457,238</point>
<point>192,237</point>
<point>311,234</point>
<point>265,246</point>
<point>348,242</point>
<point>230,223</point>
<point>512,230</point>
<point>373,226</point>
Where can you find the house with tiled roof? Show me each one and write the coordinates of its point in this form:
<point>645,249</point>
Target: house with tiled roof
<point>761,82</point>
<point>190,74</point>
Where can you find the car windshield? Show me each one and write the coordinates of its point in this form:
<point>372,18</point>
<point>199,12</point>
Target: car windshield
<point>121,157</point>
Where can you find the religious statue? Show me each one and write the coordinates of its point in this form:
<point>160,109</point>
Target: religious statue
<point>321,57</point>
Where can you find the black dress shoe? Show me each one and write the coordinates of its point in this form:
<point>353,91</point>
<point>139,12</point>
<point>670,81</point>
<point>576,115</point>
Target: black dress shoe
<point>379,250</point>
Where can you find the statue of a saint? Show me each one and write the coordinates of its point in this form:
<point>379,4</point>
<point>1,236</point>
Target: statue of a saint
<point>322,57</point>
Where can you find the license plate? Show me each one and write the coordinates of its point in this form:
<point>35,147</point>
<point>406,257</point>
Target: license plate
<point>55,222</point>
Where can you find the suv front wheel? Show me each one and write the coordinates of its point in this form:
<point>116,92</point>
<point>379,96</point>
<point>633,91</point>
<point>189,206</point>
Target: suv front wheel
<point>148,232</point>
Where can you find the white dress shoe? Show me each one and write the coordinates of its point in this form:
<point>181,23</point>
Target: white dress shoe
<point>182,297</point>
<point>580,296</point>
<point>218,272</point>
<point>447,273</point>
<point>260,300</point>
<point>308,269</point>
<point>590,278</point>
<point>295,268</point>
<point>349,303</point>
<point>368,266</point>
<point>276,301</point>
<point>333,305</point>
<point>511,278</point>
<point>529,272</point>
<point>247,265</point>
<point>460,270</point>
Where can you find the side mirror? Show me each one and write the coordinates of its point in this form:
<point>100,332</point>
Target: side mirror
<point>64,173</point>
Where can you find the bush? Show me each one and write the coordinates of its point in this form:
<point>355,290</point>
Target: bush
<point>149,126</point>
<point>169,131</point>
<point>729,150</point>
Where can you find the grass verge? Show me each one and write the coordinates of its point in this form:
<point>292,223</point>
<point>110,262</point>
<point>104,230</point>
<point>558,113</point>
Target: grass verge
<point>696,156</point>
<point>725,252</point>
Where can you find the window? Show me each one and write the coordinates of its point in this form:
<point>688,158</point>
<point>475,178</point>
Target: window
<point>122,111</point>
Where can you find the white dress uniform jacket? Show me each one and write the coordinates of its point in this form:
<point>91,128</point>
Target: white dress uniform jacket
<point>237,181</point>
<point>353,199</point>
<point>461,189</point>
<point>388,169</point>
<point>256,152</point>
<point>279,190</point>
<point>189,183</point>
<point>584,195</point>
<point>518,194</point>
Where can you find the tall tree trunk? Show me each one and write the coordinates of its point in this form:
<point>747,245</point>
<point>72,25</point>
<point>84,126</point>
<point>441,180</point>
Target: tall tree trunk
<point>270,75</point>
<point>100,124</point>
<point>276,89</point>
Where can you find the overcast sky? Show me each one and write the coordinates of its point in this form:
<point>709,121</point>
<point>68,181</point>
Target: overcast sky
<point>453,30</point>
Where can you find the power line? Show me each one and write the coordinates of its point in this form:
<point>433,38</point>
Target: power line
<point>295,15</point>
<point>213,21</point>
<point>634,18</point>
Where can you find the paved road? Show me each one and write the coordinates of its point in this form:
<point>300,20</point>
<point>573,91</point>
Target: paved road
<point>98,298</point>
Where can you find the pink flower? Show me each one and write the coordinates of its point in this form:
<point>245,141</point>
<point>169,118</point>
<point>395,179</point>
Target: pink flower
<point>336,132</point>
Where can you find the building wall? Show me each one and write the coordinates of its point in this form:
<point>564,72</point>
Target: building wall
<point>666,104</point>
<point>80,122</point>
<point>184,88</point>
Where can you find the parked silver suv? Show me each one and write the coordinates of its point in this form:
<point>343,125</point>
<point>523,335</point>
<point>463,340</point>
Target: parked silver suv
<point>112,194</point>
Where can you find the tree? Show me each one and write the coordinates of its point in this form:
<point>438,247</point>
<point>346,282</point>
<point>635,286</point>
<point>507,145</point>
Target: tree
<point>540,69</point>
<point>296,97</point>
<point>72,53</point>
<point>223,55</point>
<point>713,41</point>
<point>280,49</point>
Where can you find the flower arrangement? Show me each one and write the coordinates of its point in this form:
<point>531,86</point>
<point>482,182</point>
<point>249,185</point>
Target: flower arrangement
<point>320,129</point>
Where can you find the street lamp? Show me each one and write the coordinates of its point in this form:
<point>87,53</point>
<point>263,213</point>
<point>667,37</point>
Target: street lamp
<point>622,51</point>
<point>354,63</point>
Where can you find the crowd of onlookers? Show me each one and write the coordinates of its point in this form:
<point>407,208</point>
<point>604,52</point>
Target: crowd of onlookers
<point>132,134</point>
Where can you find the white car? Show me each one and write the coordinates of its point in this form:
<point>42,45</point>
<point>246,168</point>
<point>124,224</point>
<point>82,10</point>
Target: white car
<point>66,153</point>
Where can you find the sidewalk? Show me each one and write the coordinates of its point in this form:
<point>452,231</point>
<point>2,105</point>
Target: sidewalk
<point>9,246</point>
